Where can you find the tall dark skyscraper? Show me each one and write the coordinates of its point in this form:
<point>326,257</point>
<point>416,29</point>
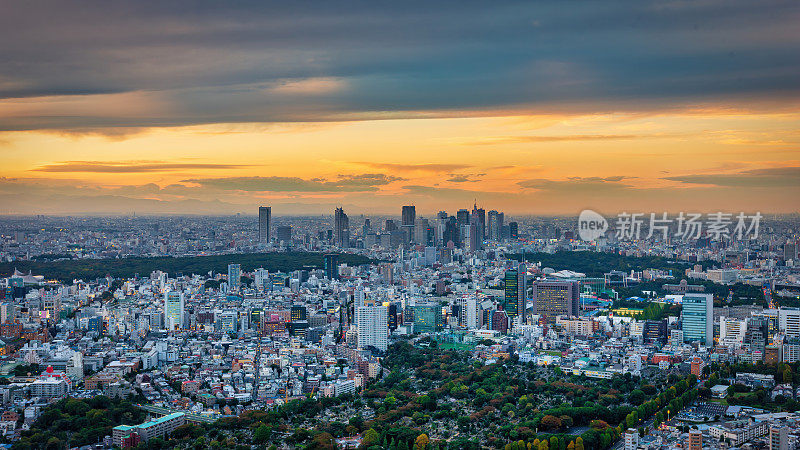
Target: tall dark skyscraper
<point>513,230</point>
<point>409,215</point>
<point>515,302</point>
<point>495,225</point>
<point>462,216</point>
<point>331,264</point>
<point>264,222</point>
<point>341,228</point>
<point>478,218</point>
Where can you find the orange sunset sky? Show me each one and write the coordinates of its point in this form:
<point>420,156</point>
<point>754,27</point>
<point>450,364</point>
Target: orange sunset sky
<point>523,107</point>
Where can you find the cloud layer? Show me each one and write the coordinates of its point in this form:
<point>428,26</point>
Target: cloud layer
<point>100,65</point>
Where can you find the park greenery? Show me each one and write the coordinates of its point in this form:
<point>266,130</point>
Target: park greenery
<point>88,269</point>
<point>72,422</point>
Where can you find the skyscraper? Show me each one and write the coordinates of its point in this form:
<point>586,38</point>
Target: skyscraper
<point>341,226</point>
<point>284,233</point>
<point>264,219</point>
<point>234,277</point>
<point>173,310</point>
<point>409,215</point>
<point>495,225</point>
<point>462,216</point>
<point>698,318</point>
<point>478,217</point>
<point>553,298</point>
<point>331,266</point>
<point>515,301</point>
<point>373,327</point>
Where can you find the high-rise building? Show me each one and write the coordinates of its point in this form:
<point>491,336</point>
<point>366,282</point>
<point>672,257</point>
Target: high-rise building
<point>654,331</point>
<point>698,318</point>
<point>553,298</point>
<point>234,277</point>
<point>472,240</point>
<point>427,318</point>
<point>462,217</point>
<point>341,225</point>
<point>789,321</point>
<point>513,230</point>
<point>173,310</point>
<point>332,266</point>
<point>264,219</point>
<point>284,233</point>
<point>471,313</point>
<point>450,232</point>
<point>478,217</point>
<point>409,216</point>
<point>373,327</point>
<point>496,225</point>
<point>299,312</point>
<point>514,300</point>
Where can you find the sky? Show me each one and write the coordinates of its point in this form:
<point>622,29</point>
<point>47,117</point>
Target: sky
<point>532,108</point>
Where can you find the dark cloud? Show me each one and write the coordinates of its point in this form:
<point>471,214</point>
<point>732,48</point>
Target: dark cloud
<point>127,167</point>
<point>345,183</point>
<point>188,62</point>
<point>415,167</point>
<point>575,183</point>
<point>767,178</point>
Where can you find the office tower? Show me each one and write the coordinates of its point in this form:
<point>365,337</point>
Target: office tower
<point>299,312</point>
<point>367,227</point>
<point>790,250</point>
<point>655,331</point>
<point>427,318</point>
<point>264,219</point>
<point>390,226</point>
<point>778,437</point>
<point>478,217</point>
<point>698,318</point>
<point>234,277</point>
<point>332,266</point>
<point>423,232</point>
<point>409,215</point>
<point>341,226</point>
<point>495,225</point>
<point>500,321</point>
<point>226,322</point>
<point>471,313</point>
<point>261,279</point>
<point>513,230</point>
<point>732,331</point>
<point>514,300</point>
<point>556,298</point>
<point>393,312</point>
<point>789,321</point>
<point>173,310</point>
<point>631,439</point>
<point>373,327</point>
<point>284,233</point>
<point>450,232</point>
<point>472,239</point>
<point>462,216</point>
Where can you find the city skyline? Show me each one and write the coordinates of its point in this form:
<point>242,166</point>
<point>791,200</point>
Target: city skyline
<point>529,108</point>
